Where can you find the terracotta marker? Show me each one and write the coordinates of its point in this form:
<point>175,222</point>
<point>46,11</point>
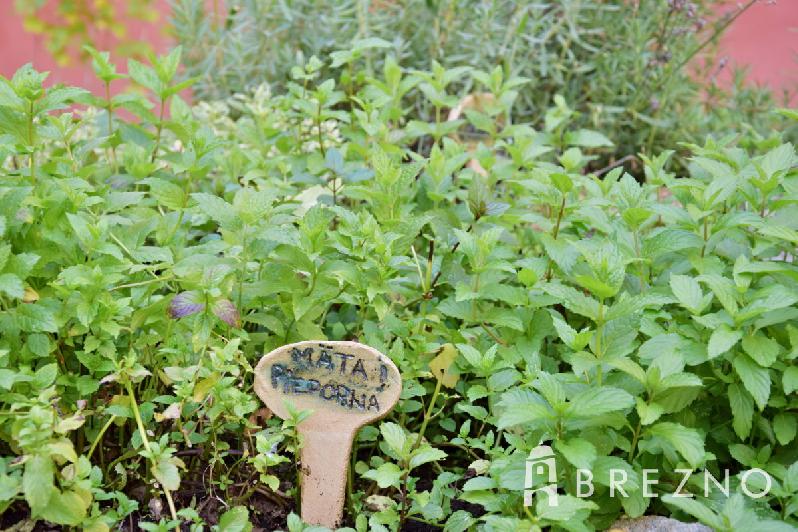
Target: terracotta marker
<point>346,385</point>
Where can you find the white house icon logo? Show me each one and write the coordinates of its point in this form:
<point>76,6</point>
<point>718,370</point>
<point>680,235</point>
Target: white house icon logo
<point>540,467</point>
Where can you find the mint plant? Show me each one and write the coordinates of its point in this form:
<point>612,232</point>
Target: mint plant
<point>151,253</point>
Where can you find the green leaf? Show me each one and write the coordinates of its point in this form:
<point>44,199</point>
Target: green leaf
<point>58,96</point>
<point>39,344</point>
<point>560,251</point>
<point>65,508</point>
<point>37,482</point>
<point>724,289</point>
<point>762,349</point>
<point>574,300</point>
<point>218,210</point>
<point>628,305</point>
<point>742,409</point>
<point>459,521</point>
<point>166,193</point>
<point>790,380</point>
<point>35,318</point>
<point>370,42</point>
<point>587,138</point>
<point>235,519</point>
<point>166,65</point>
<point>479,483</point>
<point>722,340</point>
<point>520,407</point>
<point>10,486</point>
<point>425,454</point>
<point>12,286</point>
<point>670,240</point>
<point>566,509</point>
<point>167,473</point>
<point>144,76</point>
<point>579,452</point>
<point>395,437</point>
<point>45,376</point>
<point>688,292</point>
<point>785,426</point>
<point>648,412</point>
<point>756,379</point>
<point>696,509</point>
<point>598,401</point>
<point>386,476</point>
<point>688,442</point>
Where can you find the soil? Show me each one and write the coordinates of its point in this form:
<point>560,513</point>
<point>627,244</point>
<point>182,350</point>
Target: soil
<point>267,511</point>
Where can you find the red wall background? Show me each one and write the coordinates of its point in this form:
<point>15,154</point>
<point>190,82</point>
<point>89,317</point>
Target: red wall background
<point>18,47</point>
<point>765,38</point>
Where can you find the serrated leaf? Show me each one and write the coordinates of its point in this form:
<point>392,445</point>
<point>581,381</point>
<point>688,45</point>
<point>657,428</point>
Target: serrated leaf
<point>688,292</point>
<point>37,482</point>
<point>35,318</point>
<point>762,349</point>
<point>742,409</point>
<point>167,473</point>
<point>598,401</point>
<point>562,252</point>
<point>45,376</point>
<point>785,426</point>
<point>790,380</point>
<point>425,454</point>
<point>12,286</point>
<point>574,300</point>
<point>567,508</point>
<point>724,289</point>
<point>144,75</point>
<point>186,304</point>
<point>520,407</point>
<point>668,241</point>
<point>66,508</point>
<point>756,379</point>
<point>579,452</point>
<point>227,312</point>
<point>387,475</point>
<point>166,193</point>
<point>696,509</point>
<point>394,436</point>
<point>722,340</point>
<point>217,209</point>
<point>235,519</point>
<point>688,442</point>
<point>587,138</point>
<point>648,412</point>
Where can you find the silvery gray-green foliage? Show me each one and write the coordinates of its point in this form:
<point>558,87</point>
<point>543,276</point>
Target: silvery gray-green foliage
<point>146,265</point>
<point>626,68</point>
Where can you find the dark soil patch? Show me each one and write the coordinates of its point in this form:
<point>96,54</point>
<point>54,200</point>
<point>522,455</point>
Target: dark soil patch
<point>411,525</point>
<point>476,510</point>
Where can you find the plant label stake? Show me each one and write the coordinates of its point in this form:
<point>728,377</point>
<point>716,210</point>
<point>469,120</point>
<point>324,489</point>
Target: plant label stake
<point>346,385</point>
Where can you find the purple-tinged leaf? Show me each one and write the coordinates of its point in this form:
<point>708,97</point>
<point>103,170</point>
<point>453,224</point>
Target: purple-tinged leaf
<point>227,312</point>
<point>185,304</point>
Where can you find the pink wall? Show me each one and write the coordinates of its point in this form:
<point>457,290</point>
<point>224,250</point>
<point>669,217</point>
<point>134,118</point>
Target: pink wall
<point>765,37</point>
<point>18,47</point>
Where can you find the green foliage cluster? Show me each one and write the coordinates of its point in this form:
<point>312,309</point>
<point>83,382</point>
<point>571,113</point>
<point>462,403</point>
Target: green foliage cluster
<point>147,263</point>
<point>637,71</point>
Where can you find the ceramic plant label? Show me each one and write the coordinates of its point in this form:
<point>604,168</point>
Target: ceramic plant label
<point>346,385</point>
